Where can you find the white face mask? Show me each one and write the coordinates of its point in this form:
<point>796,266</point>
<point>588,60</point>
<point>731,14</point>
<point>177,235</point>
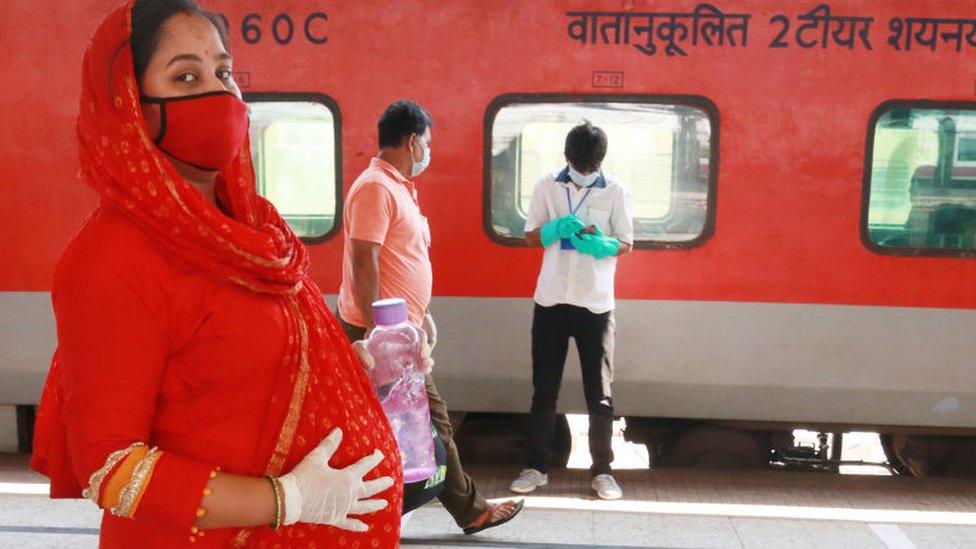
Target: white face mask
<point>419,167</point>
<point>583,180</point>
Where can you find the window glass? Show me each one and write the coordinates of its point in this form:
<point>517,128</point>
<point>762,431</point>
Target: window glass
<point>660,152</point>
<point>294,150</point>
<point>922,192</point>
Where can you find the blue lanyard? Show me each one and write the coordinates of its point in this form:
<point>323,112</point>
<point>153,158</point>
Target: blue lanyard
<point>569,201</point>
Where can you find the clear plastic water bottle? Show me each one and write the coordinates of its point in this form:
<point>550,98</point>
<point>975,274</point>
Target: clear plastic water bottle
<point>398,380</point>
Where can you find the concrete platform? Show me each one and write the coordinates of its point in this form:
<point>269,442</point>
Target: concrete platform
<point>660,509</point>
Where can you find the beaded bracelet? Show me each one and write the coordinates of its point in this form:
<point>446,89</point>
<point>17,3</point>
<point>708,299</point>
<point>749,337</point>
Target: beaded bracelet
<point>278,507</point>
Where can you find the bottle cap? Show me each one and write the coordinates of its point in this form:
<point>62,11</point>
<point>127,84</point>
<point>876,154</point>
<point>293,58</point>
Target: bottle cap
<point>387,312</point>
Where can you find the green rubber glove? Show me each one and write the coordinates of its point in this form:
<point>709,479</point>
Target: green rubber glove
<point>564,227</point>
<point>596,244</point>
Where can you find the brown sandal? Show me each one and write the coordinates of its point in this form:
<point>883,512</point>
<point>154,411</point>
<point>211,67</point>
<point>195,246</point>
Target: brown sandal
<point>485,520</point>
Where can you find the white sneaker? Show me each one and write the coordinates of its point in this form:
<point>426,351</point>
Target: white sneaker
<point>606,487</point>
<point>528,480</point>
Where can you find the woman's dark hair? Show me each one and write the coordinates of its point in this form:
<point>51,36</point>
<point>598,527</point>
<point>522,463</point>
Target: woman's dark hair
<point>400,120</point>
<point>586,145</point>
<point>148,17</point>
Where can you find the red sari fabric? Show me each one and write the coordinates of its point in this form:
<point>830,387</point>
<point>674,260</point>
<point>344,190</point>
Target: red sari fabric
<point>193,331</point>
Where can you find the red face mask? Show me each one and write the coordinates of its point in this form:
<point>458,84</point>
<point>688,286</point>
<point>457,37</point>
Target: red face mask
<point>204,131</point>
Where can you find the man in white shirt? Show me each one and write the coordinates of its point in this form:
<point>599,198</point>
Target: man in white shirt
<point>583,220</point>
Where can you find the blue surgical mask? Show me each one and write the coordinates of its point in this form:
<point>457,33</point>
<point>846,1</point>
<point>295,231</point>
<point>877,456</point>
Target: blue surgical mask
<point>419,167</point>
<point>583,180</point>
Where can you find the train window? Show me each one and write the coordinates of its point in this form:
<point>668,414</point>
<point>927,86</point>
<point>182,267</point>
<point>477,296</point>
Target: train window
<point>920,193</point>
<point>293,143</point>
<point>664,149</point>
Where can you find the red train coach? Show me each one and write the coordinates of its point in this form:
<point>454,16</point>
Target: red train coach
<point>803,174</point>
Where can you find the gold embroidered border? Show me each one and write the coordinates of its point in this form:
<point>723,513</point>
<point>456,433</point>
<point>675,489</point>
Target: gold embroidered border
<point>287,434</point>
<point>134,489</point>
<point>95,481</point>
<point>290,292</point>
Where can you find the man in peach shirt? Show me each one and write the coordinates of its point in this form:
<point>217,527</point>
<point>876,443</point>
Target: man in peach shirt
<point>386,241</point>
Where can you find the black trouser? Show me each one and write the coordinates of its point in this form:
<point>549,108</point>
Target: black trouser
<point>418,493</point>
<point>459,495</point>
<point>594,334</point>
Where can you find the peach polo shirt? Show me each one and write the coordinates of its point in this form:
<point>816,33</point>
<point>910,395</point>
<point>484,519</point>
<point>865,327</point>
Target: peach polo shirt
<point>382,207</point>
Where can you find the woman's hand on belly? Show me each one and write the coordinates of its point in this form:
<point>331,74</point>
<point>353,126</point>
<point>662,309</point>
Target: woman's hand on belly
<point>314,492</point>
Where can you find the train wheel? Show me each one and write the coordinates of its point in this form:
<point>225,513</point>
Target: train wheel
<point>502,439</point>
<point>931,456</point>
<point>717,448</point>
<point>897,462</point>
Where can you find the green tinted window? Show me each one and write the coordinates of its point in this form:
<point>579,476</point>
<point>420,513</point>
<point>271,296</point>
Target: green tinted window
<point>660,152</point>
<point>922,192</point>
<point>294,150</point>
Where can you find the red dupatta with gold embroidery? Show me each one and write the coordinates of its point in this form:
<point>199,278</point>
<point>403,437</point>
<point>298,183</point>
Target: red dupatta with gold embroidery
<point>321,384</point>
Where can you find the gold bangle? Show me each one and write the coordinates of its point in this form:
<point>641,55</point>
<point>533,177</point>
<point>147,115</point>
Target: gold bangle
<point>276,488</point>
<point>280,510</point>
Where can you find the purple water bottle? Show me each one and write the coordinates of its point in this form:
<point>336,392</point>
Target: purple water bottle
<point>398,380</point>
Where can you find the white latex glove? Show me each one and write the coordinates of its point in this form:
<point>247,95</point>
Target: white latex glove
<point>431,329</point>
<point>425,349</point>
<point>315,492</point>
<point>367,359</point>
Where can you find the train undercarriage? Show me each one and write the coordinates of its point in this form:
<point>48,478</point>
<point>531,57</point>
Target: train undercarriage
<point>492,438</point>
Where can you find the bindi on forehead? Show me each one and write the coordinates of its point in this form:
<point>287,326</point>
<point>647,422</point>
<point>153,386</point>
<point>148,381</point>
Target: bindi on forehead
<point>202,33</point>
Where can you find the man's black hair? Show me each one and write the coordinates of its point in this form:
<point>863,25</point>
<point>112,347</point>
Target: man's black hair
<point>586,145</point>
<point>400,120</point>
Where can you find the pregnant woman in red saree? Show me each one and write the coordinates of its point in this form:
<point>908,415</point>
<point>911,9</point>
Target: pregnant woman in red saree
<point>201,392</point>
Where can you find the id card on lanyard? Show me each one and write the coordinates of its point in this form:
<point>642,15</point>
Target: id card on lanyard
<point>565,243</point>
